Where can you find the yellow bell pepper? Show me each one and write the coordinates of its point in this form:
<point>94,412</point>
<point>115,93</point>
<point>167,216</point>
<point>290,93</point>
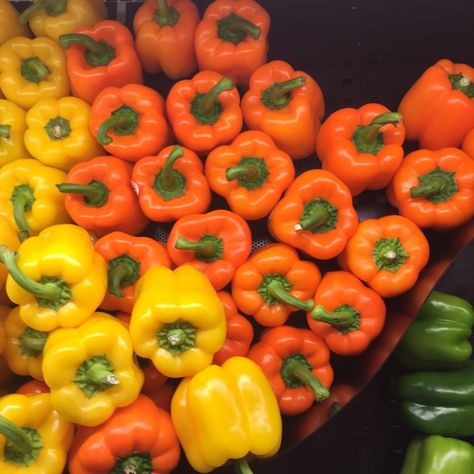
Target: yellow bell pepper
<point>10,25</point>
<point>12,129</point>
<point>54,18</point>
<point>225,413</point>
<point>58,132</point>
<point>4,310</point>
<point>29,198</point>
<point>56,278</point>
<point>8,237</point>
<point>32,69</point>
<point>91,370</point>
<point>178,321</point>
<point>34,438</point>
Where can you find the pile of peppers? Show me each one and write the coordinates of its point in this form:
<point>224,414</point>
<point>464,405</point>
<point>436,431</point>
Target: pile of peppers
<point>119,351</point>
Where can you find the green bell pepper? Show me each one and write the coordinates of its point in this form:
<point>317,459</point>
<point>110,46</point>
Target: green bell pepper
<point>439,402</point>
<point>438,455</point>
<point>438,338</point>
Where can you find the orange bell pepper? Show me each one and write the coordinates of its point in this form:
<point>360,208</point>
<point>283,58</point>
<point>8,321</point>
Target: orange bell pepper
<point>129,122</point>
<point>204,111</point>
<point>232,38</point>
<point>215,243</point>
<point>273,283</point>
<point>171,185</point>
<point>251,174</point>
<point>438,109</point>
<point>315,216</point>
<point>164,36</point>
<point>286,104</point>
<point>468,144</point>
<point>347,314</point>
<point>100,56</point>
<point>435,188</point>
<point>362,147</point>
<point>387,253</point>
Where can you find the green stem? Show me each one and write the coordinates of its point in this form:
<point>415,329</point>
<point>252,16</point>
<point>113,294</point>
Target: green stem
<point>5,131</point>
<point>277,291</point>
<point>123,271</point>
<point>31,342</point>
<point>123,121</point>
<point>317,218</point>
<point>335,408</point>
<point>168,177</point>
<point>251,172</point>
<point>344,318</point>
<point>208,248</point>
<point>99,375</point>
<point>33,69</point>
<point>462,83</point>
<point>241,466</point>
<point>278,96</point>
<point>94,193</point>
<point>15,435</point>
<point>208,102</point>
<point>166,15</point>
<point>235,29</point>
<point>99,53</point>
<point>116,275</point>
<point>22,200</point>
<point>177,337</point>
<point>434,187</point>
<point>52,7</point>
<point>94,375</point>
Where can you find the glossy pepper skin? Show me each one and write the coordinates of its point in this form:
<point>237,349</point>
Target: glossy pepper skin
<point>347,314</point>
<point>12,129</point>
<point>387,253</point>
<point>436,402</point>
<point>53,18</point>
<point>251,174</point>
<point>164,36</point>
<point>438,338</point>
<point>33,387</point>
<point>468,144</point>
<point>130,121</point>
<point>224,413</point>
<point>43,437</point>
<point>139,437</point>
<point>99,196</point>
<point>171,185</point>
<point>10,25</point>
<point>438,109</point>
<point>216,243</point>
<point>58,133</point>
<point>204,111</point>
<point>434,189</point>
<point>362,147</point>
<point>101,56</point>
<point>296,363</point>
<point>316,215</point>
<point>9,238</point>
<point>438,455</point>
<point>29,198</point>
<point>231,39</point>
<point>178,320</point>
<point>97,372</point>
<point>32,69</point>
<point>128,258</point>
<point>273,283</point>
<point>286,104</point>
<point>56,278</point>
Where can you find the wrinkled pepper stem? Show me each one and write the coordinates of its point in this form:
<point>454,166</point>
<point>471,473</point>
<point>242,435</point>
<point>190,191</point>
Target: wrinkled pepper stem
<point>208,102</point>
<point>17,437</point>
<point>277,96</point>
<point>95,375</point>
<point>251,172</point>
<point>277,291</point>
<point>177,337</point>
<point>317,218</point>
<point>462,83</point>
<point>52,8</point>
<point>235,29</point>
<point>166,15</point>
<point>22,200</point>
<point>338,319</point>
<point>435,186</point>
<point>94,193</point>
<point>123,271</point>
<point>99,375</point>
<point>5,131</point>
<point>208,248</point>
<point>31,342</point>
<point>168,179</point>
<point>389,254</point>
<point>241,466</point>
<point>123,121</point>
<point>34,69</point>
<point>116,275</point>
<point>136,463</point>
<point>99,53</point>
<point>170,183</point>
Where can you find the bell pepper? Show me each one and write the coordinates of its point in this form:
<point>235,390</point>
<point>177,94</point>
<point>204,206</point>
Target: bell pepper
<point>129,121</point>
<point>239,333</point>
<point>4,310</point>
<point>231,39</point>
<point>316,215</point>
<point>362,147</point>
<point>56,277</point>
<point>215,243</point>
<point>8,237</point>
<point>157,387</point>
<point>178,320</point>
<point>10,25</point>
<point>387,253</point>
<point>29,198</point>
<point>35,438</point>
<point>33,387</point>
<point>204,111</point>
<point>164,36</point>
<point>91,370</point>
<point>440,403</point>
<point>438,109</point>
<point>128,258</point>
<point>226,413</point>
<point>12,129</point>
<point>138,438</point>
<point>163,394</point>
<point>274,283</point>
<point>24,346</point>
<point>347,314</point>
<point>171,185</point>
<point>251,174</point>
<point>100,196</point>
<point>286,104</point>
<point>296,362</point>
<point>438,455</point>
<point>53,18</point>
<point>438,338</point>
<point>468,144</point>
<point>434,188</point>
<point>58,132</point>
<point>100,56</point>
<point>32,69</point>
